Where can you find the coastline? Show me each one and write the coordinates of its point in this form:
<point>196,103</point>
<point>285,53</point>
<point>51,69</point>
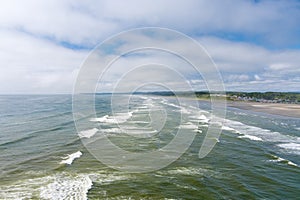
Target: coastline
<point>287,110</point>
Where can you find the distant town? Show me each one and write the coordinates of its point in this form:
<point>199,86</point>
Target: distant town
<point>266,97</point>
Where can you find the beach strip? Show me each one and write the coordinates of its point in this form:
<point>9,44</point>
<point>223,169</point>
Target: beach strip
<point>288,110</point>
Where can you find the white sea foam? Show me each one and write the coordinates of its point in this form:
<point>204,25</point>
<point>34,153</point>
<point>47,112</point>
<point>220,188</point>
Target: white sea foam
<point>190,171</point>
<point>143,97</point>
<point>88,133</point>
<point>188,125</point>
<point>133,127</point>
<point>140,131</point>
<point>260,134</point>
<point>56,186</point>
<point>185,111</point>
<point>226,128</point>
<point>142,107</point>
<point>199,118</point>
<point>203,125</point>
<point>279,159</point>
<point>292,164</point>
<point>99,119</point>
<point>148,103</point>
<point>70,158</point>
<point>202,117</point>
<point>117,118</point>
<point>251,137</point>
<point>67,187</point>
<point>240,113</point>
<point>138,122</point>
<point>112,130</point>
<point>170,104</point>
<point>59,185</point>
<point>134,131</point>
<point>291,147</point>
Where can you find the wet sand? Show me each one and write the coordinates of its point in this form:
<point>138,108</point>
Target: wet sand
<point>289,110</point>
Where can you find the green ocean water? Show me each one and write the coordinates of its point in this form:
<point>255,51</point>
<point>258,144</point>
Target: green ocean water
<point>42,156</point>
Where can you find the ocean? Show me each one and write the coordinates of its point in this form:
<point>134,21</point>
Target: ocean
<point>43,157</point>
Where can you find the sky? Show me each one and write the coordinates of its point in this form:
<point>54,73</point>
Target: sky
<point>254,44</point>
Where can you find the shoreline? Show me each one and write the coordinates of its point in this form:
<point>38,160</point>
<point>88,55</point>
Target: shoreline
<point>287,110</point>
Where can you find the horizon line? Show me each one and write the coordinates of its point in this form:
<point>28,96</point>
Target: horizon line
<point>149,92</point>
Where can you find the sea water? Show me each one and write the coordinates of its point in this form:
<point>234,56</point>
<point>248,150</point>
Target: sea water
<point>42,156</point>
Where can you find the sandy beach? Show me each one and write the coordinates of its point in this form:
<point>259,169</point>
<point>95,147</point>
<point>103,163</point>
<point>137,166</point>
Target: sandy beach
<point>289,110</point>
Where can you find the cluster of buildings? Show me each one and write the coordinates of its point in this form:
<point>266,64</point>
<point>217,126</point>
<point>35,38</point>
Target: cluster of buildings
<point>261,100</point>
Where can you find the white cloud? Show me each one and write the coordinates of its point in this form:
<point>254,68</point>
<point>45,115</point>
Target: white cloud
<point>31,65</point>
<point>85,22</point>
<point>34,60</point>
<point>234,59</point>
